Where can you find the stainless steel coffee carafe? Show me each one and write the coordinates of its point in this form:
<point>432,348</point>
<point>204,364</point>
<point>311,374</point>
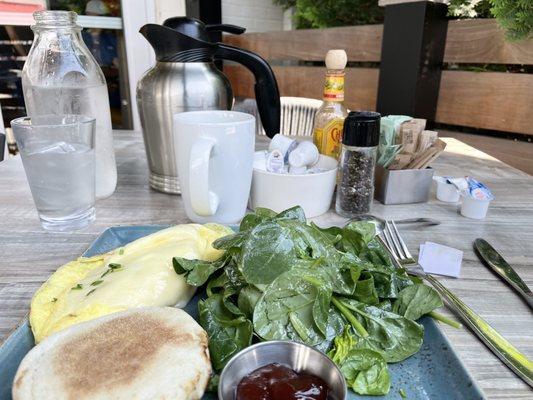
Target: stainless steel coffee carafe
<point>185,78</point>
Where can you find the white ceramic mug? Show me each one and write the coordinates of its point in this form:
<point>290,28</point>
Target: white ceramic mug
<point>214,155</point>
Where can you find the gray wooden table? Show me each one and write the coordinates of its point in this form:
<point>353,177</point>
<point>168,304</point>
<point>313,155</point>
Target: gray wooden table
<point>29,254</point>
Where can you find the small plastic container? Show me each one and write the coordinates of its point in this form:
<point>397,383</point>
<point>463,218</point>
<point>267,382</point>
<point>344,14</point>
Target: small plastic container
<point>284,144</point>
<point>474,208</point>
<point>304,155</point>
<point>447,192</point>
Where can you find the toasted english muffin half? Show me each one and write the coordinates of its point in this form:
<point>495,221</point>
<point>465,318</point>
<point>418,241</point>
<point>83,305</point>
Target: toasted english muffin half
<point>144,354</point>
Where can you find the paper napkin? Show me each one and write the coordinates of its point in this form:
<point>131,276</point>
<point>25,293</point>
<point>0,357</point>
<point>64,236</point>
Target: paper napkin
<point>440,260</point>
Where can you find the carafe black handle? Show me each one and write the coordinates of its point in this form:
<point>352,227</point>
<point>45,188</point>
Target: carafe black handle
<point>2,145</point>
<point>228,28</point>
<point>266,87</point>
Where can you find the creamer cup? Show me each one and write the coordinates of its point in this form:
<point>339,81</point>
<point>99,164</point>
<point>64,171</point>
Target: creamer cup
<point>474,208</point>
<point>446,191</point>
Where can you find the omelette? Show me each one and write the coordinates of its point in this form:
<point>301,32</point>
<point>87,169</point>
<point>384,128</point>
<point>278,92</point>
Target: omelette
<point>139,274</point>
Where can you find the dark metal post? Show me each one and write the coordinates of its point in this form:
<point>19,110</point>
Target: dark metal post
<point>207,11</point>
<point>414,37</point>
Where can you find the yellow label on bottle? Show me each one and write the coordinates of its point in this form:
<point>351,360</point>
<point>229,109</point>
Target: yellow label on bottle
<point>334,87</point>
<point>317,138</point>
<point>328,139</point>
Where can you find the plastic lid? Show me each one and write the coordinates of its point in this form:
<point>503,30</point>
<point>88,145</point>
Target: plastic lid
<point>361,129</point>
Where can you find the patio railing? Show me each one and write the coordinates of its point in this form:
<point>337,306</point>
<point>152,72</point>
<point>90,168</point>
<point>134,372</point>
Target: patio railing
<point>500,101</point>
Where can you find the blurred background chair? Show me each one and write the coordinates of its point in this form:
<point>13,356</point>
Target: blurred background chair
<point>297,114</point>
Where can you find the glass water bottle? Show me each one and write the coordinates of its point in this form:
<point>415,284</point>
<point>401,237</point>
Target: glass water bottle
<point>61,76</point>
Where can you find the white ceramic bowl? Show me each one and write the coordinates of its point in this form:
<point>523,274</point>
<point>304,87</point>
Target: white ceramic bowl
<point>313,192</point>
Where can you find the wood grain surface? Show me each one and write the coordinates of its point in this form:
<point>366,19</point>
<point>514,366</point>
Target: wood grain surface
<point>361,84</point>
<point>29,254</point>
<point>473,41</point>
<point>481,41</point>
<point>488,100</point>
<point>362,43</point>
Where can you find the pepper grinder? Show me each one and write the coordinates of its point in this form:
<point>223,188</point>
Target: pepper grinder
<point>360,139</point>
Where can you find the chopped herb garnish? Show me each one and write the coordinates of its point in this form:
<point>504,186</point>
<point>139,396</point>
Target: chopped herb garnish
<point>105,273</point>
<point>90,291</point>
<point>54,299</point>
<point>77,287</point>
<point>402,393</point>
<point>120,252</point>
<point>96,283</point>
<point>114,266</point>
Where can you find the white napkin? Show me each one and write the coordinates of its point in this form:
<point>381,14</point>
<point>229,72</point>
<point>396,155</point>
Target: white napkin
<point>440,260</point>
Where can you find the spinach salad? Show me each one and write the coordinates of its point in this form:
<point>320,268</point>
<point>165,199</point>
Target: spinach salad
<point>336,289</point>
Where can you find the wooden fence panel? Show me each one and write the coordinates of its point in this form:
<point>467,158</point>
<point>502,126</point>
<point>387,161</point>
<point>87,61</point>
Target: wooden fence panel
<point>361,83</point>
<point>481,41</point>
<point>362,43</point>
<point>468,41</point>
<point>488,100</point>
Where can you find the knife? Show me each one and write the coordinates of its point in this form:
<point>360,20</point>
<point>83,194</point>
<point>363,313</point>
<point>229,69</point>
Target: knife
<point>497,263</point>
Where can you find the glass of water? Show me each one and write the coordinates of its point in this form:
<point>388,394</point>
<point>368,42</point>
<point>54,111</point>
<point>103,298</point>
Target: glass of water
<point>58,156</point>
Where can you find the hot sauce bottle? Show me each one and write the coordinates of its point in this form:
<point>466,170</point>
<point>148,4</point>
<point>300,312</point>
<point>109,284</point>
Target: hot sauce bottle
<point>329,119</point>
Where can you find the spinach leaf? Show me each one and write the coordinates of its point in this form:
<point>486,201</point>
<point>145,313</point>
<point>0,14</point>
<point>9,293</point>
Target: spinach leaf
<point>248,298</point>
<point>417,300</point>
<point>309,242</point>
<point>212,385</point>
<point>228,333</point>
<point>295,213</point>
<point>253,219</point>
<point>343,344</point>
<point>197,272</point>
<point>268,252</point>
<point>392,335</point>
<point>293,307</point>
<point>366,372</point>
<point>388,284</point>
<point>335,327</point>
<point>217,285</point>
<point>365,291</point>
<point>228,242</point>
<point>333,233</point>
<point>357,235</point>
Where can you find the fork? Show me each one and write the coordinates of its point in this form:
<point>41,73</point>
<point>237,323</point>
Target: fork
<point>505,351</point>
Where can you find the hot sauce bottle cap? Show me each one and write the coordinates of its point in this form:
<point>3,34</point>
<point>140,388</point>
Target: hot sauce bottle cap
<point>336,59</point>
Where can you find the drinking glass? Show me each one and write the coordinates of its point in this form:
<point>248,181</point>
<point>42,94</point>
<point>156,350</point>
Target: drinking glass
<point>58,156</point>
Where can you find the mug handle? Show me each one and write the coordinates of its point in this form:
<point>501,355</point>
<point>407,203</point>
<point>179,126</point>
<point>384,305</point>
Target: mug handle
<point>203,201</point>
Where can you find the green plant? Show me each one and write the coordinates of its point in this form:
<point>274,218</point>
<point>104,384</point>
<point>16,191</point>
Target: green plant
<point>329,13</point>
<point>516,16</point>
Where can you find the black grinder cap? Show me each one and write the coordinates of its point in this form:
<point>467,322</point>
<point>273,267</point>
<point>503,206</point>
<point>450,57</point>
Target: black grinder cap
<point>361,129</point>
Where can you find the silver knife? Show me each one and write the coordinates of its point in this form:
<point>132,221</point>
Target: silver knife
<point>497,263</point>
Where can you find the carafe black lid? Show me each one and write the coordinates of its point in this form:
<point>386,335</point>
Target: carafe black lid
<point>183,39</point>
<point>191,27</point>
<point>195,28</point>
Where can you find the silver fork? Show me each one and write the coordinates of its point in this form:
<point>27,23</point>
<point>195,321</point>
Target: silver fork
<point>505,351</point>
